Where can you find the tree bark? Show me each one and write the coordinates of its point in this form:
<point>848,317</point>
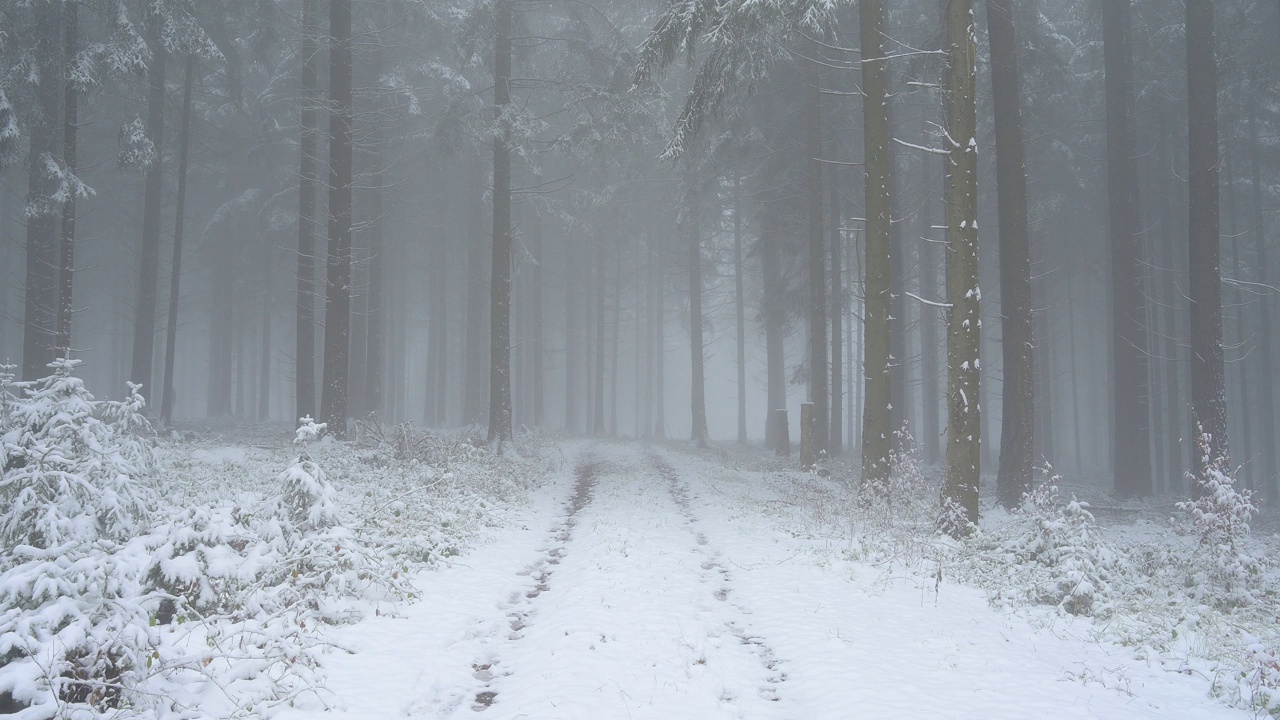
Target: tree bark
<point>964,414</point>
<point>70,128</point>
<point>539,369</point>
<point>474,380</point>
<point>774,316</point>
<point>1208,377</point>
<point>930,425</point>
<point>697,395</point>
<point>305,350</point>
<point>175,271</point>
<point>836,442</point>
<point>500,278</point>
<point>1017,442</point>
<point>1266,396</point>
<point>740,308</point>
<point>573,351</point>
<point>818,367</point>
<point>144,318</point>
<point>1131,442</point>
<point>39,329</point>
<point>877,419</point>
<point>337,301</point>
<point>375,362</point>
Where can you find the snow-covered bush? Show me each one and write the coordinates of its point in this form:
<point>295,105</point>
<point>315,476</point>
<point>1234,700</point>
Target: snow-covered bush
<point>73,626</point>
<point>1064,540</point>
<point>1051,552</point>
<point>1219,516</point>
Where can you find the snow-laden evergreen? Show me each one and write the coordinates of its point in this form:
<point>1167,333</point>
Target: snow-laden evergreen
<point>73,623</point>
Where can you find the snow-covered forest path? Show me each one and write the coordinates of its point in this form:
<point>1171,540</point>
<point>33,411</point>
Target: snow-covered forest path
<point>640,584</point>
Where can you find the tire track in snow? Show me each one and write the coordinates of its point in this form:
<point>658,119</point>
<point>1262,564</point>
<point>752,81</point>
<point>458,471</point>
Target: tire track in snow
<point>523,606</point>
<point>775,676</point>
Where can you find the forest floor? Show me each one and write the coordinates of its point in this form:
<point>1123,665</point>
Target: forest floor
<point>639,581</point>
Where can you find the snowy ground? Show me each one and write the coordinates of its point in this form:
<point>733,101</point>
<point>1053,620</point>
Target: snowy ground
<point>643,583</point>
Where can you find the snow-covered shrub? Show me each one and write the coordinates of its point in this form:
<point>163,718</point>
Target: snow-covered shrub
<point>1261,679</point>
<point>68,480</point>
<point>1220,517</point>
<point>73,626</point>
<point>1051,552</point>
<point>1064,540</point>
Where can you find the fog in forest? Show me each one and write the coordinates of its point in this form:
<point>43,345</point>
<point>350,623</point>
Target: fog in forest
<point>261,211</point>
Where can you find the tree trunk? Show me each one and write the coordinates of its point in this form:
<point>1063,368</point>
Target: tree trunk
<point>539,369</point>
<point>40,319</point>
<point>836,441</point>
<point>697,396</point>
<point>70,120</point>
<point>1175,443</point>
<point>1208,377</point>
<point>1245,426</point>
<point>617,333</point>
<point>877,419</point>
<point>774,316</point>
<point>596,308</point>
<point>337,301</point>
<point>930,425</point>
<point>375,362</point>
<point>1132,439</point>
<point>660,348</point>
<point>573,351</point>
<point>144,318</point>
<point>740,308</point>
<point>500,278</point>
<point>305,350</point>
<point>1266,395</point>
<point>264,343</point>
<point>175,272</point>
<point>964,414</point>
<point>1017,443</point>
<point>474,381</point>
<point>818,368</point>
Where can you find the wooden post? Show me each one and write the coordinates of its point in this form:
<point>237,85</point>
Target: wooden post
<point>808,446</point>
<point>781,432</point>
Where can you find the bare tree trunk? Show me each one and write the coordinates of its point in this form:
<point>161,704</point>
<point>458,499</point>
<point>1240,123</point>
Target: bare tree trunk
<point>264,344</point>
<point>70,121</point>
<point>818,369</point>
<point>596,309</point>
<point>337,301</point>
<point>41,295</point>
<point>375,340</point>
<point>697,396</point>
<point>740,308</point>
<point>774,315</point>
<point>1208,376</point>
<point>1245,426</point>
<point>836,441</point>
<point>1266,397</point>
<point>573,352</point>
<point>144,318</point>
<point>660,348</point>
<point>964,415</point>
<point>617,332</point>
<point>1017,442</point>
<point>877,429</point>
<point>474,380</point>
<point>305,350</point>
<point>930,426</point>
<point>1132,439</point>
<point>175,272</point>
<point>539,344</point>
<point>1175,443</point>
<point>500,279</point>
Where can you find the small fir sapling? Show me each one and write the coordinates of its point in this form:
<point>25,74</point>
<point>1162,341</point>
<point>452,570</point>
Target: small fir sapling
<point>73,626</point>
<point>1219,516</point>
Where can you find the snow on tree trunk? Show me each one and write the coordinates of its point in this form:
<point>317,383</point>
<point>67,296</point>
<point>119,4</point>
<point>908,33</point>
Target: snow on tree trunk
<point>964,326</point>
